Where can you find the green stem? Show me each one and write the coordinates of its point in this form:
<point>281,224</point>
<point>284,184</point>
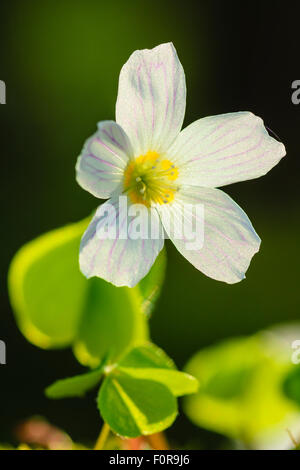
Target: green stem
<point>102,437</point>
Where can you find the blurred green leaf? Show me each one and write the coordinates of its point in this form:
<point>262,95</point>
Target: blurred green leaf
<point>56,306</point>
<point>133,407</point>
<point>240,393</point>
<point>228,384</point>
<point>47,290</point>
<point>291,385</point>
<point>75,386</point>
<point>112,322</point>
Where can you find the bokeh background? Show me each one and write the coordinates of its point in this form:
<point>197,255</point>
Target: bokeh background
<point>60,61</point>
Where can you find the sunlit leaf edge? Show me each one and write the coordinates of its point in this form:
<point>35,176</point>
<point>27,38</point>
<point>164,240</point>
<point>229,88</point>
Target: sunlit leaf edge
<point>21,262</point>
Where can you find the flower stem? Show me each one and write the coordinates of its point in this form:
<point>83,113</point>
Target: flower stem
<point>102,437</point>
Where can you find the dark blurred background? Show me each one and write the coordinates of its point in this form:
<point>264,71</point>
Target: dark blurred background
<point>60,61</point>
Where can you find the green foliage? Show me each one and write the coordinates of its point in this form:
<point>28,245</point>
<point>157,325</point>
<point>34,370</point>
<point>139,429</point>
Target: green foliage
<point>56,306</point>
<point>241,393</point>
<point>138,394</point>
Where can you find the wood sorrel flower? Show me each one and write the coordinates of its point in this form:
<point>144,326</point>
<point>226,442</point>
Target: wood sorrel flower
<point>146,157</point>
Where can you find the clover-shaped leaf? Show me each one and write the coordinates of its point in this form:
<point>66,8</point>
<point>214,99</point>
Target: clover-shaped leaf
<point>139,394</point>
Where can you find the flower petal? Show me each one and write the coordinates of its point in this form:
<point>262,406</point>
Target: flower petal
<point>103,159</point>
<point>230,241</point>
<point>151,98</point>
<point>117,257</point>
<point>225,149</point>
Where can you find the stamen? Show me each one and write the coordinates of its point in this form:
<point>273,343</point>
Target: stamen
<point>149,179</point>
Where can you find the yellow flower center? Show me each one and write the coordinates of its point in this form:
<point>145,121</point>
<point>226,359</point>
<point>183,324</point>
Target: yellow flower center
<point>149,179</point>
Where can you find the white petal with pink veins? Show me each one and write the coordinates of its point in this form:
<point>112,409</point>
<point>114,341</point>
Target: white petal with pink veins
<point>219,150</point>
<point>230,240</point>
<point>119,258</point>
<point>151,98</point>
<point>101,165</point>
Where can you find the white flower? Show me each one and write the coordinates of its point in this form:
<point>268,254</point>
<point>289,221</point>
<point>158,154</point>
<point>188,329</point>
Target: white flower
<point>146,156</point>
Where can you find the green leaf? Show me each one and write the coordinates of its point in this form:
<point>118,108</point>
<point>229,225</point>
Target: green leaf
<point>56,306</point>
<point>75,386</point>
<point>112,322</point>
<point>46,287</point>
<point>150,362</point>
<point>291,385</point>
<point>147,355</point>
<point>133,407</point>
<point>179,383</point>
<point>228,384</point>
